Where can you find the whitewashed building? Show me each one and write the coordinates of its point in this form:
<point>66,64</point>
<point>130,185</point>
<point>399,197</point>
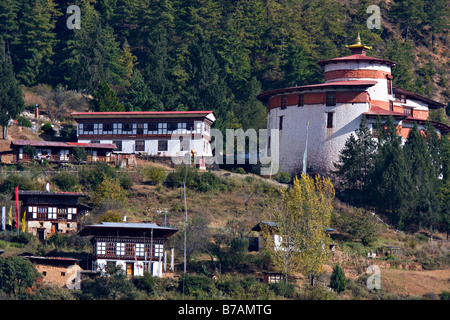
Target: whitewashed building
<point>133,247</point>
<point>331,111</point>
<point>154,133</point>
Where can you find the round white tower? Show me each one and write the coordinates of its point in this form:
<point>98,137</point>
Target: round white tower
<point>330,111</point>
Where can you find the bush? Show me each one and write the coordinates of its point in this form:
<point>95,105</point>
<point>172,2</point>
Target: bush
<point>16,180</point>
<point>155,175</point>
<point>203,182</point>
<point>445,295</point>
<point>94,175</point>
<point>283,177</point>
<point>197,286</point>
<point>79,154</point>
<point>30,150</point>
<point>47,128</point>
<point>283,289</point>
<point>24,122</point>
<point>65,181</point>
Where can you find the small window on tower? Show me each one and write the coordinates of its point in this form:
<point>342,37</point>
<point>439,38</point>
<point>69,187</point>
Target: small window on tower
<point>280,127</point>
<point>283,102</point>
<point>300,100</point>
<point>329,119</point>
<point>331,98</point>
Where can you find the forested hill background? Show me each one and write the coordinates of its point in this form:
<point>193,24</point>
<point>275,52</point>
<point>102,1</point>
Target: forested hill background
<point>217,54</point>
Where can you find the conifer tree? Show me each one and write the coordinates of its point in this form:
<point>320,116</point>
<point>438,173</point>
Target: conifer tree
<point>9,23</point>
<point>425,179</point>
<point>139,96</point>
<point>105,99</point>
<point>337,280</point>
<point>356,161</point>
<point>390,179</point>
<point>93,54</point>
<point>11,98</point>
<point>37,40</point>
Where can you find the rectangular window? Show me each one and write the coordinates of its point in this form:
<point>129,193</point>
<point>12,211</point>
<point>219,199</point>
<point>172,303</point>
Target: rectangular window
<point>301,99</point>
<point>120,249</point>
<point>101,248</point>
<point>140,145</point>
<point>140,247</point>
<point>407,111</point>
<point>88,127</point>
<point>118,144</point>
<point>159,250</point>
<point>33,211</point>
<point>391,106</point>
<point>107,127</point>
<point>389,86</point>
<point>71,212</point>
<point>162,145</point>
<point>153,126</point>
<point>172,126</point>
<point>283,102</point>
<point>140,128</point>
<point>331,99</point>
<point>52,213</point>
<point>190,125</point>
<point>329,119</point>
<point>127,127</point>
<point>280,125</point>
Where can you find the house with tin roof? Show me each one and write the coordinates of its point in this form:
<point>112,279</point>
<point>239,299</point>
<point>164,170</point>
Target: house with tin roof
<point>133,247</point>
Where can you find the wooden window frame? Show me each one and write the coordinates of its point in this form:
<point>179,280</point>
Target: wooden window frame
<point>301,100</point>
<point>331,98</point>
<point>330,122</point>
<point>163,145</point>
<point>139,145</point>
<point>283,102</point>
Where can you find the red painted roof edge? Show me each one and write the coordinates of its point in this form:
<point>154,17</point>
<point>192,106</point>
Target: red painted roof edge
<point>357,57</point>
<point>142,112</point>
<point>264,96</point>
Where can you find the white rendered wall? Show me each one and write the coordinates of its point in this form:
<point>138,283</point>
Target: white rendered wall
<point>157,266</point>
<point>324,145</point>
<point>201,147</point>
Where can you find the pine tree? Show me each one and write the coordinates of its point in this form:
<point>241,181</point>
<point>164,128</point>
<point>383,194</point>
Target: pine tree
<point>105,99</point>
<point>93,54</point>
<point>390,180</point>
<point>9,23</point>
<point>356,161</point>
<point>11,98</point>
<point>337,280</point>
<point>139,96</point>
<point>424,178</point>
<point>37,40</point>
<point>205,89</point>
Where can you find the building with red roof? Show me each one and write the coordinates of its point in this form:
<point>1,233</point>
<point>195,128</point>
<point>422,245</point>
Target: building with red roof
<point>330,112</point>
<point>153,133</point>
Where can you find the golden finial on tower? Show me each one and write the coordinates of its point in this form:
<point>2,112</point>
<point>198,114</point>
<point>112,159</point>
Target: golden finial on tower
<point>358,48</point>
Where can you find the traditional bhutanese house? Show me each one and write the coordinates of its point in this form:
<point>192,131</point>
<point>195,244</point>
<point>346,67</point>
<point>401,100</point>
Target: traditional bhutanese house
<point>55,151</point>
<point>153,133</point>
<point>51,212</point>
<point>328,113</point>
<point>59,271</point>
<point>134,247</point>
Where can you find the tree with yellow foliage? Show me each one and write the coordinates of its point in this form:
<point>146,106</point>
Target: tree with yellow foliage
<point>301,243</point>
<point>109,188</point>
